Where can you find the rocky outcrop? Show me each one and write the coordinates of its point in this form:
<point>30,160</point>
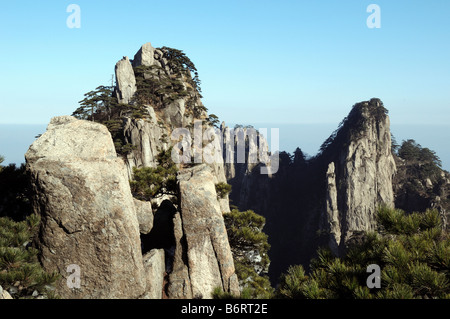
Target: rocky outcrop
<point>326,199</point>
<point>145,55</point>
<point>193,239</point>
<point>4,294</point>
<point>144,214</point>
<point>92,225</point>
<point>365,168</point>
<point>154,265</point>
<point>208,254</point>
<point>150,135</point>
<point>126,81</point>
<point>82,193</point>
<point>147,138</point>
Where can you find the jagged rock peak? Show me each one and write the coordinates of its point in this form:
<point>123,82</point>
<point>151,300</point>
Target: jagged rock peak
<point>145,55</point>
<point>125,81</point>
<point>363,167</point>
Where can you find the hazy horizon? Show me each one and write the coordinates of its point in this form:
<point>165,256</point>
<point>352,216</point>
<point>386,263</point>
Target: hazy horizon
<point>15,139</point>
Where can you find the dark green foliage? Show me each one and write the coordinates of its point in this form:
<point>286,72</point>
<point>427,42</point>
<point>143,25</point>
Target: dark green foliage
<point>213,120</point>
<point>223,189</point>
<point>115,128</point>
<point>99,102</point>
<point>246,238</point>
<point>422,162</point>
<point>159,86</point>
<point>180,63</point>
<point>19,266</point>
<point>294,284</point>
<point>156,87</point>
<point>148,182</point>
<point>218,293</point>
<point>413,252</point>
<point>14,192</point>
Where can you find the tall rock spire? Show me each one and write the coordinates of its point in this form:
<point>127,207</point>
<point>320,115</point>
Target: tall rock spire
<point>126,81</point>
<point>364,171</point>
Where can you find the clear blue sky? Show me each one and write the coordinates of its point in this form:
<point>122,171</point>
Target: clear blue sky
<point>259,61</point>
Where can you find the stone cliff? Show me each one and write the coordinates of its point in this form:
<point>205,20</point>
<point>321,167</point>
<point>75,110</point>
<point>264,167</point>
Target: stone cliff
<point>90,220</point>
<point>326,199</point>
<point>360,175</point>
<point>172,247</point>
<point>153,133</point>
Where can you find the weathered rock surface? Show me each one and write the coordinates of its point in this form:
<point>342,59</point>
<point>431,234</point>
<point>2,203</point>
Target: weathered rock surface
<point>146,137</point>
<point>4,294</point>
<point>367,168</point>
<point>179,283</point>
<point>81,190</point>
<point>145,55</point>
<point>126,81</point>
<point>144,214</point>
<point>174,113</point>
<point>209,259</point>
<point>154,266</point>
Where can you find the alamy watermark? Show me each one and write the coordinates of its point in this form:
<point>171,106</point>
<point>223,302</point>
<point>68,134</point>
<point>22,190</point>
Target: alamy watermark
<point>374,280</point>
<point>239,145</point>
<point>374,20</point>
<point>74,19</point>
<point>74,279</point>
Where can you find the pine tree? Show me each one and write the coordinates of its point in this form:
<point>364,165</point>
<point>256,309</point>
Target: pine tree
<point>222,189</point>
<point>412,251</point>
<point>149,182</point>
<point>97,103</point>
<point>14,192</point>
<point>247,240</point>
<point>20,271</point>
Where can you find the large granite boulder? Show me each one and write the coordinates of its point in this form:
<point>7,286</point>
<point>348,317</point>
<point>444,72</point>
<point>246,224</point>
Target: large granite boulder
<point>81,191</point>
<point>145,56</point>
<point>209,257</point>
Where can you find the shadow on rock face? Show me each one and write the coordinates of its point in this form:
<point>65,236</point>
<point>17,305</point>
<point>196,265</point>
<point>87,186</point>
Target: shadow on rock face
<point>161,235</point>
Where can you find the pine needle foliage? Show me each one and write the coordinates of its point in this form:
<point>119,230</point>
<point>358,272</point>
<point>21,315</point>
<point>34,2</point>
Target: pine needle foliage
<point>249,245</point>
<point>223,189</point>
<point>149,182</point>
<point>412,250</point>
<point>20,270</point>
